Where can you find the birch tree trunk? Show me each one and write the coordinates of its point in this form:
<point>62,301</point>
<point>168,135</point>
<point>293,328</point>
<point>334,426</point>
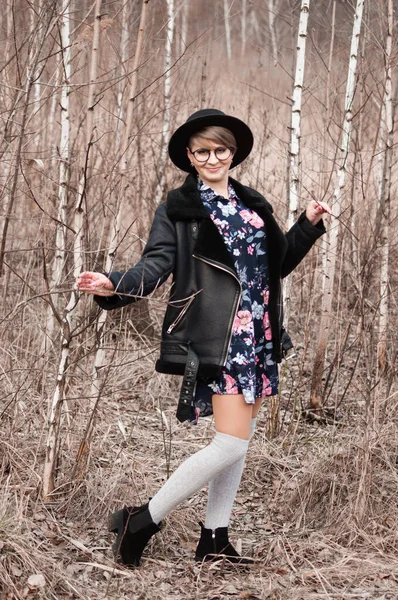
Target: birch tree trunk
<point>243,28</point>
<point>167,102</point>
<point>79,245</point>
<point>124,46</point>
<point>114,235</point>
<point>227,29</point>
<point>58,79</point>
<point>184,27</point>
<point>35,25</point>
<point>325,238</point>
<point>295,129</point>
<point>54,418</point>
<point>271,21</point>
<point>125,141</point>
<point>64,167</point>
<point>327,298</point>
<point>385,197</point>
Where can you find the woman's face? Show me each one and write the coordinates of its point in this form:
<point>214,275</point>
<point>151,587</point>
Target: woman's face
<point>213,170</point>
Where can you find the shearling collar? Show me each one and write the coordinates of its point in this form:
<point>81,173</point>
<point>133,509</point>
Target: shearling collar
<point>185,204</point>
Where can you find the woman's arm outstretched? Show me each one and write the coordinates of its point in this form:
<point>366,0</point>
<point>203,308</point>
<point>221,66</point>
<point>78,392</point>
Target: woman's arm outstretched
<point>119,288</point>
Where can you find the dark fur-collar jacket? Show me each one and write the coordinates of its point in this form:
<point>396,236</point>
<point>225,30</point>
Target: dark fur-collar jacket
<point>205,293</point>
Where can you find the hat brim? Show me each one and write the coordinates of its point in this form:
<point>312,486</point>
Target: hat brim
<point>180,138</point>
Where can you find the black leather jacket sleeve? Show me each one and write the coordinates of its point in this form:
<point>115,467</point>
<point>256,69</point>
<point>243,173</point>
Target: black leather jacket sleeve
<point>300,237</point>
<point>155,266</point>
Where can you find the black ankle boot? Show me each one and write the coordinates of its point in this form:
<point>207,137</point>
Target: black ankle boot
<point>134,528</point>
<point>214,545</point>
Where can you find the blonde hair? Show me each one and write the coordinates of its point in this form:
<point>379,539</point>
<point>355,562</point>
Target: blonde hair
<point>221,135</point>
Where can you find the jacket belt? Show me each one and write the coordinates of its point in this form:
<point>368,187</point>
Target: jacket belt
<point>184,409</point>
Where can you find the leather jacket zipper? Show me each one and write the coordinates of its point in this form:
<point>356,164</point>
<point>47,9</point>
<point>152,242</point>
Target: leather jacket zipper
<point>180,315</point>
<point>217,265</point>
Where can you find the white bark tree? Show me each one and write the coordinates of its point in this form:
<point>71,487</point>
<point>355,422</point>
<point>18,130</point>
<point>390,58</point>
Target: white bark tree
<point>387,138</point>
<point>124,49</point>
<point>327,298</point>
<point>184,27</point>
<point>114,236</point>
<point>295,136</point>
<point>167,101</point>
<point>272,8</point>
<point>36,23</point>
<point>54,417</point>
<point>79,243</point>
<point>58,265</point>
<point>227,26</point>
<point>243,28</point>
<point>324,241</point>
<point>126,137</point>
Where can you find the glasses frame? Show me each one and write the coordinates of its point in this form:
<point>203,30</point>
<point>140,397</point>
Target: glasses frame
<point>230,148</point>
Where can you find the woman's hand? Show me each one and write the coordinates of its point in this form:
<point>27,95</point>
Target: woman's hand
<point>90,282</point>
<point>315,210</point>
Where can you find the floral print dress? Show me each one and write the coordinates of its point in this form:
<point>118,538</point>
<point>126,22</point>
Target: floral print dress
<point>250,369</point>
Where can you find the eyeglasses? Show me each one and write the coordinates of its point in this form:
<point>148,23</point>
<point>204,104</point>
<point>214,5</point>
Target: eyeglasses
<point>202,155</point>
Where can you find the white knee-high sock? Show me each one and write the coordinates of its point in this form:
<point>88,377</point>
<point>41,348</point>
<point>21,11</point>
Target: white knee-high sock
<point>196,472</point>
<point>223,489</point>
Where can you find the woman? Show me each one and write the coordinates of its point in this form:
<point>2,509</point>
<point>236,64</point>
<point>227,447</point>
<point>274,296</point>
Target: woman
<point>222,328</point>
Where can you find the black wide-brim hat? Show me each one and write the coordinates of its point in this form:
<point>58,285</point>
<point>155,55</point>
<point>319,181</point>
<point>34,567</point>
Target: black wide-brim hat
<point>209,117</point>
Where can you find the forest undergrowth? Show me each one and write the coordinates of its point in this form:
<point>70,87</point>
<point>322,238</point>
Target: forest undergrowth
<point>316,510</point>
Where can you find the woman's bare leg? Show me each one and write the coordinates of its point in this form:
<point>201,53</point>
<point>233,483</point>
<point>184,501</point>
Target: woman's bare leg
<point>232,415</point>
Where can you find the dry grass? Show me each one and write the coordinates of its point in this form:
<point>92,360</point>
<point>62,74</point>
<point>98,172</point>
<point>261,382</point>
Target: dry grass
<point>317,510</point>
